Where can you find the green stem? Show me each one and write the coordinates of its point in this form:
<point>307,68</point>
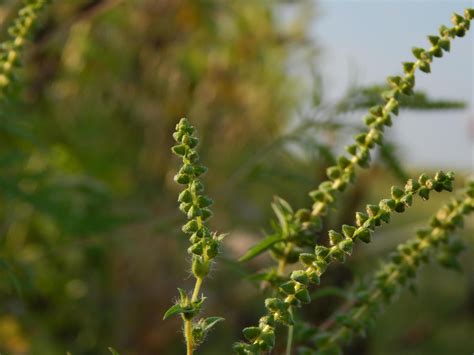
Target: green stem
<point>197,288</point>
<point>188,325</point>
<point>188,335</point>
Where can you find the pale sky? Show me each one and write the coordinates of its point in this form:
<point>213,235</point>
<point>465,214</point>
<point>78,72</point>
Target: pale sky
<point>367,40</point>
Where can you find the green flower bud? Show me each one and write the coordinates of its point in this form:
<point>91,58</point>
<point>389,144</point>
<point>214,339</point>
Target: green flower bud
<point>204,201</point>
<point>268,338</point>
<point>469,14</point>
<point>423,179</point>
<point>307,259</point>
<point>334,237</point>
<point>377,111</point>
<point>343,162</point>
<point>321,265</point>
<point>392,106</point>
<point>314,277</point>
<point>179,149</point>
<point>425,67</point>
<point>200,267</point>
<point>300,276</point>
<point>385,217</point>
<point>275,305</point>
<point>321,251</point>
<point>182,179</point>
<point>199,170</point>
<point>206,213</point>
<point>387,205</point>
<point>387,121</point>
<point>333,172</point>
<point>196,249</point>
<point>440,176</point>
<point>190,141</point>
<point>434,40</point>
<point>212,249</point>
<point>352,149</point>
<point>445,44</point>
<point>303,296</point>
<point>361,138</point>
<point>408,67</point>
<point>457,19</point>
<point>196,187</point>
<point>369,119</point>
<point>348,230</point>
<point>190,227</point>
<point>184,207</point>
<point>372,210</point>
<point>194,212</point>
<point>363,234</point>
<point>407,200</point>
<point>178,136</point>
<point>203,232</point>
<point>436,51</point>
<point>400,207</point>
<point>251,333</point>
<point>185,196</point>
<point>417,52</point>
<point>407,89</point>
<point>394,81</point>
<point>317,195</point>
<point>411,186</point>
<point>424,193</point>
<point>361,218</point>
<point>288,288</point>
<point>346,246</point>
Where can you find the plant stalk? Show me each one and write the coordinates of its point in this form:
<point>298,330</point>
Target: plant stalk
<point>188,326</point>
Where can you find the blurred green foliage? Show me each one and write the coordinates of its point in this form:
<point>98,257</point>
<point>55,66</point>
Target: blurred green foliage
<point>90,247</point>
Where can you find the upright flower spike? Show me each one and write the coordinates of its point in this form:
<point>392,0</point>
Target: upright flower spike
<point>19,31</point>
<point>204,244</point>
<point>344,172</point>
<point>399,272</point>
<point>295,292</point>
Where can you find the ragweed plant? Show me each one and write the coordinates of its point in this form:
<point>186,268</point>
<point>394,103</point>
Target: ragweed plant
<point>295,233</point>
<point>19,32</point>
<point>287,244</point>
<point>434,240</point>
<point>204,244</point>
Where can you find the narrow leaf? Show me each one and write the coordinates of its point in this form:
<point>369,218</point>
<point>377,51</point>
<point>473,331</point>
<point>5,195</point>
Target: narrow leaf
<point>211,322</point>
<point>261,247</point>
<point>175,309</point>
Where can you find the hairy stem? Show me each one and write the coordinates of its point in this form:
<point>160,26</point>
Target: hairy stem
<point>188,335</point>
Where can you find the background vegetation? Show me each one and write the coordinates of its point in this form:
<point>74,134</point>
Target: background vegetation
<point>90,246</point>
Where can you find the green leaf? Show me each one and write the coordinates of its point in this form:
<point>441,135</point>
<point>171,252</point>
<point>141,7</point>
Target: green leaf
<point>282,210</point>
<point>210,322</point>
<point>113,351</point>
<point>265,244</point>
<point>175,309</point>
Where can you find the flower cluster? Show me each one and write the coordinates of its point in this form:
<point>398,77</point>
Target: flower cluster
<point>295,292</point>
<point>306,223</point>
<point>18,32</point>
<point>399,271</point>
<point>204,244</point>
